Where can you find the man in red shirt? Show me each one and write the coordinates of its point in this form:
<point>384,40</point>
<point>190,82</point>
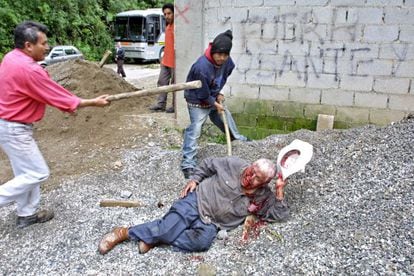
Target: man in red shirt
<point>26,89</point>
<point>167,73</point>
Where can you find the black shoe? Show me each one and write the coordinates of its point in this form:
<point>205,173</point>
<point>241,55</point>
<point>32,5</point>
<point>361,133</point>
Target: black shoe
<point>169,110</point>
<point>157,108</point>
<point>188,173</point>
<point>39,217</point>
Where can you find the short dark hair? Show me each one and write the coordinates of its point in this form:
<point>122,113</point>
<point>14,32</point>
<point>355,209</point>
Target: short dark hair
<point>168,6</point>
<point>28,31</point>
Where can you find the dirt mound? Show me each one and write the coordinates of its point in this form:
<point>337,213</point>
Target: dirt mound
<point>87,80</point>
<point>91,138</point>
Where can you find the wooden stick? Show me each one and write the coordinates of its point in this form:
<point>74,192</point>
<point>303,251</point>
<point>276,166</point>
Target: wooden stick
<point>226,131</point>
<point>119,203</point>
<point>105,58</point>
<point>156,90</point>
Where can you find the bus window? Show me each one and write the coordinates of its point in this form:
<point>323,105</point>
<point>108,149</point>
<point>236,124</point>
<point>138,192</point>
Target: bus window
<point>121,28</point>
<point>137,28</point>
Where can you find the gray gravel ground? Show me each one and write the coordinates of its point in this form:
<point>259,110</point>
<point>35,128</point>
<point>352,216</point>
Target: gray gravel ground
<point>352,214</point>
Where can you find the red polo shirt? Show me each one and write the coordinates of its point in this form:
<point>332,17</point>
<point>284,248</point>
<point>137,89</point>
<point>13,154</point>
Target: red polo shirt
<point>26,89</point>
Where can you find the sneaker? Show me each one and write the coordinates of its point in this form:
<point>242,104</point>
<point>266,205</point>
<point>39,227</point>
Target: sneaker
<point>39,217</point>
<point>157,108</point>
<point>188,172</point>
<point>169,110</point>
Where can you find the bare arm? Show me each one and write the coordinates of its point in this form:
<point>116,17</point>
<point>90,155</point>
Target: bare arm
<point>190,187</point>
<point>98,101</point>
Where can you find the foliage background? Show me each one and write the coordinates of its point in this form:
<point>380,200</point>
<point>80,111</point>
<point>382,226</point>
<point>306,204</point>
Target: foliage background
<point>83,23</point>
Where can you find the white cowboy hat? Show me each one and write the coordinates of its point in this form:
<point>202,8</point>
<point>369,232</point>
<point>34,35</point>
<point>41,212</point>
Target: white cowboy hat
<point>293,158</point>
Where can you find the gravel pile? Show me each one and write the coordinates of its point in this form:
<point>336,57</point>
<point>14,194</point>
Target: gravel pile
<point>352,213</point>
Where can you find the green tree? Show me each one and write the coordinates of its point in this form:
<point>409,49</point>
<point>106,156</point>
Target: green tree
<point>83,23</point>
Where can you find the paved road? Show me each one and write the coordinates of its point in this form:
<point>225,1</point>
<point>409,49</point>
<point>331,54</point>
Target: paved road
<point>136,72</point>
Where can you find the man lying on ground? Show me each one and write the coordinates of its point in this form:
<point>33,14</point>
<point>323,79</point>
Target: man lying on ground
<point>219,196</point>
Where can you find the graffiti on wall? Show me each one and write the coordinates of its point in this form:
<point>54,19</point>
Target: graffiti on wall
<point>298,43</point>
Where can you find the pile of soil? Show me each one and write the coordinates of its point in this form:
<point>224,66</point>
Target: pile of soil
<point>90,139</point>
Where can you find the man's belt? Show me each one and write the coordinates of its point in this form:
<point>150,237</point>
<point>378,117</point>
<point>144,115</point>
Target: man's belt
<point>203,106</point>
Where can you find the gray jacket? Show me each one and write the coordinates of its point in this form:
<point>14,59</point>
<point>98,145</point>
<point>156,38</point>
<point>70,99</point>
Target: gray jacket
<point>221,199</point>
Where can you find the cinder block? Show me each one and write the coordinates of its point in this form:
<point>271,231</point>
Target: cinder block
<point>259,107</point>
<point>352,115</point>
<point>365,15</point>
<point>312,111</point>
<point>407,33</point>
<point>290,79</point>
<point>397,51</point>
<point>263,14</point>
<point>245,62</point>
<point>408,3</point>
<point>305,95</point>
<point>404,69</point>
<point>247,3</point>
<point>234,15</point>
<point>246,91</point>
<point>363,50</point>
<point>401,102</point>
<point>235,105</point>
<point>345,32</point>
<point>313,32</point>
<point>322,15</point>
<point>251,30</point>
<point>277,3</point>
<point>399,15</point>
<point>359,15</point>
<point>323,81</point>
<point>337,97</point>
<point>260,77</point>
<point>260,46</point>
<point>311,2</point>
<point>237,77</point>
<point>356,83</point>
<point>392,85</point>
<point>385,116</point>
<point>217,4</point>
<point>270,31</point>
<point>375,100</point>
<point>346,3</point>
<point>273,93</point>
<point>295,15</point>
<point>324,122</point>
<point>379,33</point>
<point>270,62</point>
<point>381,3</point>
<point>294,48</point>
<point>289,109</point>
<point>375,68</point>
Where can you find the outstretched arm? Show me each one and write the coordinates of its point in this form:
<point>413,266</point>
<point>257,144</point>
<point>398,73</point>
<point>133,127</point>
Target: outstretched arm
<point>98,101</point>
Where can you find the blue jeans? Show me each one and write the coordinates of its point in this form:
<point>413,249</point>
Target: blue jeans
<point>181,227</point>
<point>29,167</point>
<point>198,117</point>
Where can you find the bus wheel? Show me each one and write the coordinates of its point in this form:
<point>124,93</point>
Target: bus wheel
<point>161,55</point>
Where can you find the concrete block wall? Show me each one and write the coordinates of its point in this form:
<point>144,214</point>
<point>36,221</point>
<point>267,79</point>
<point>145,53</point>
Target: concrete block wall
<point>353,59</point>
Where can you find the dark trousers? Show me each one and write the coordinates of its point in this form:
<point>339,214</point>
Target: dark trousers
<point>120,67</point>
<point>181,227</point>
<point>166,77</point>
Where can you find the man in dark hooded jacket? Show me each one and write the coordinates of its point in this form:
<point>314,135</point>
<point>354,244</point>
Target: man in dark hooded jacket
<point>213,69</point>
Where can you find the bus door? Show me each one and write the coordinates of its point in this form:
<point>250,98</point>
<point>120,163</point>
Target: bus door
<point>154,28</point>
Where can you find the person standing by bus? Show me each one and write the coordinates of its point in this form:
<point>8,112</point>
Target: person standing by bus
<point>167,73</point>
<point>119,58</point>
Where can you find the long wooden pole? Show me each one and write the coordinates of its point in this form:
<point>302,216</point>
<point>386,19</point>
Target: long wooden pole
<point>156,90</point>
<point>226,131</point>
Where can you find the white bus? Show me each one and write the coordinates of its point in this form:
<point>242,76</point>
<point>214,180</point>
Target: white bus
<point>141,33</point>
